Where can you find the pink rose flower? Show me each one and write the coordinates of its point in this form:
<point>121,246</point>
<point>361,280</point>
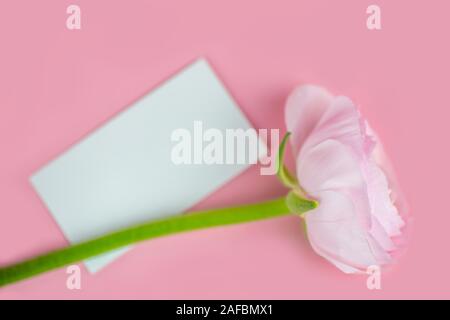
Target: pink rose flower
<point>341,164</point>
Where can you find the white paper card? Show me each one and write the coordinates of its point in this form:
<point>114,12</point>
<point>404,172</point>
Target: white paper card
<point>122,174</point>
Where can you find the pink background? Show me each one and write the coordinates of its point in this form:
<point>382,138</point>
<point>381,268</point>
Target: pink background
<point>57,85</point>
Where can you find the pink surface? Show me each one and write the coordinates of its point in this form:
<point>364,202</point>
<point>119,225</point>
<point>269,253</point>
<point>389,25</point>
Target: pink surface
<point>57,85</point>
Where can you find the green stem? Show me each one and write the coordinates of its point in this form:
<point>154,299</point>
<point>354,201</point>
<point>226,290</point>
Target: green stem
<point>159,228</point>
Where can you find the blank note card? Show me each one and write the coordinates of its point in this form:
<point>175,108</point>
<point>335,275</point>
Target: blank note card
<point>122,174</point>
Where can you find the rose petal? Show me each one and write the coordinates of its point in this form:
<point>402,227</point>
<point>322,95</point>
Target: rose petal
<point>336,234</point>
<point>304,107</point>
<point>328,165</point>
